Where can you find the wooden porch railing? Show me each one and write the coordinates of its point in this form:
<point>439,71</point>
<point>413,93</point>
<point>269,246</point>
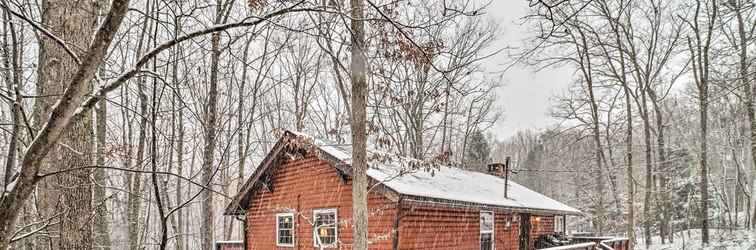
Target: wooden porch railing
<point>615,244</point>
<point>578,246</point>
<point>594,243</point>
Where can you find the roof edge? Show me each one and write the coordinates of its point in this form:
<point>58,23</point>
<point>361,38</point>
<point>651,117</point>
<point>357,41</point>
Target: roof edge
<point>452,203</point>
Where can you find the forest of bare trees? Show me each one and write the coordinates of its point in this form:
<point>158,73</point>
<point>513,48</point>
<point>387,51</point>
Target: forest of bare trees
<point>656,134</point>
<point>130,124</point>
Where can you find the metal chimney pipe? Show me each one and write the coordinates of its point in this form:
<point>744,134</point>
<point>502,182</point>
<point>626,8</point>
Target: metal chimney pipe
<point>506,176</point>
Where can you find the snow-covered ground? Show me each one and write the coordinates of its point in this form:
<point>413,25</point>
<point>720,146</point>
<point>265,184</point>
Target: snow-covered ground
<point>719,240</point>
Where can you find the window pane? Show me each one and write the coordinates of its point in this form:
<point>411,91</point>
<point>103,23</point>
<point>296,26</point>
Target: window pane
<point>325,219</point>
<point>486,222</point>
<point>285,237</point>
<point>558,223</point>
<point>325,228</point>
<point>285,229</point>
<point>327,235</point>
<point>285,222</point>
<point>486,241</point>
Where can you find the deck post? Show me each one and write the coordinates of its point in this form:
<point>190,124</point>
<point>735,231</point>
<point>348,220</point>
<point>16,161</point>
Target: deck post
<point>564,224</point>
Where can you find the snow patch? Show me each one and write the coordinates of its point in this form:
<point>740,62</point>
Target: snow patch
<point>719,239</point>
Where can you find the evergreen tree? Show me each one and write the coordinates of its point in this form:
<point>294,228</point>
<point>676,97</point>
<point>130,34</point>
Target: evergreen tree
<point>478,153</point>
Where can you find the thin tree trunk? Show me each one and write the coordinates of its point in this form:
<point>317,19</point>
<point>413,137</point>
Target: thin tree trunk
<point>621,75</point>
<point>666,205</point>
<point>207,227</point>
<point>13,84</point>
<point>629,162</point>
<point>700,59</point>
<point>135,188</point>
<point>178,128</point>
<point>359,130</point>
<point>649,167</point>
<point>599,154</point>
<point>587,71</point>
<point>101,229</point>
<point>180,241</point>
<point>102,232</point>
<point>748,88</point>
<point>134,185</point>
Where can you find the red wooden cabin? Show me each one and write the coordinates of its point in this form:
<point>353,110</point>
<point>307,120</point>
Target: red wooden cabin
<point>300,198</point>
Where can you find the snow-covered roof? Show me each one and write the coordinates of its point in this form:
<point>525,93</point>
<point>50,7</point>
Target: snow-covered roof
<point>445,182</point>
<point>417,180</point>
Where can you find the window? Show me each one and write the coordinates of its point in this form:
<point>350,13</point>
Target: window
<point>486,230</point>
<point>285,229</point>
<point>559,224</point>
<point>325,231</point>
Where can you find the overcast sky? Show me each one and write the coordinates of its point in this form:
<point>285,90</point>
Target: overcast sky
<point>524,94</point>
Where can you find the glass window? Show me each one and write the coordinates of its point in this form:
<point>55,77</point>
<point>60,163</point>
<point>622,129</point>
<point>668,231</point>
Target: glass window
<point>559,223</point>
<point>325,227</point>
<point>285,229</point>
<point>486,230</point>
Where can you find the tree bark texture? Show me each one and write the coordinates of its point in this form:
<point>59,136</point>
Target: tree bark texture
<point>359,130</point>
<point>67,195</point>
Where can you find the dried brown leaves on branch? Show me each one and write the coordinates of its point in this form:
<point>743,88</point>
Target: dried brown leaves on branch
<point>395,44</point>
<point>397,47</point>
<point>256,4</point>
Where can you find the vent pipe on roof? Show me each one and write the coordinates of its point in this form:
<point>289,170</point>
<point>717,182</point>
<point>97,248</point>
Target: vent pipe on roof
<point>501,170</point>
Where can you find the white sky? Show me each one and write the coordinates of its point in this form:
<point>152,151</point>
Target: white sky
<point>524,94</point>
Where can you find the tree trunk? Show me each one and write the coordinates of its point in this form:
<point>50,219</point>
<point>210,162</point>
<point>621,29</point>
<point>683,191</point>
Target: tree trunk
<point>69,193</point>
<point>699,51</point>
<point>207,227</point>
<point>13,84</point>
<point>666,205</point>
<point>178,128</point>
<point>102,232</point>
<point>359,130</point>
<point>748,89</point>
<point>587,71</point>
<point>59,121</point>
<point>134,180</point>
<point>643,108</point>
<point>703,101</point>
<point>629,162</point>
<point>180,241</point>
<point>599,154</point>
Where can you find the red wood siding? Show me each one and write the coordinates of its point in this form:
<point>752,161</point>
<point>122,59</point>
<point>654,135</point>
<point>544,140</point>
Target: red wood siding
<point>437,227</point>
<point>506,238</point>
<point>303,185</point>
<point>300,186</point>
<point>442,227</point>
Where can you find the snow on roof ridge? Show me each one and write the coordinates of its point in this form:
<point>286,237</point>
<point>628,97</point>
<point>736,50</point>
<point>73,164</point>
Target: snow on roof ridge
<point>411,176</point>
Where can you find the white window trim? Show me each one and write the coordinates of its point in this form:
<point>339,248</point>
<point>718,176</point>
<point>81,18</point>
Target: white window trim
<point>493,228</point>
<point>559,221</point>
<point>293,228</point>
<point>336,226</point>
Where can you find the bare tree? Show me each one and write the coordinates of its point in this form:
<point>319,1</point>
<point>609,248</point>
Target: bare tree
<point>699,47</point>
<point>359,72</point>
